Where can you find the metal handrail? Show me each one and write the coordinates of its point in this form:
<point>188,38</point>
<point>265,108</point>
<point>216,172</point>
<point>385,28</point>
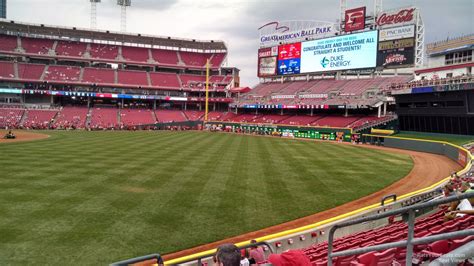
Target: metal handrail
<point>394,196</point>
<point>155,256</point>
<point>199,259</point>
<point>411,224</point>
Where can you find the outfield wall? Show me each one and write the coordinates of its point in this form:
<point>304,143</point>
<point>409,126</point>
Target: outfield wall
<point>449,150</point>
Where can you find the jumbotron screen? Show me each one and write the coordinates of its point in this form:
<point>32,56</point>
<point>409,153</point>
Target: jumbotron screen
<point>353,51</point>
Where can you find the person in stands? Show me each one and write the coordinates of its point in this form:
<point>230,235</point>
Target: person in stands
<point>289,258</point>
<point>228,255</point>
<point>256,253</point>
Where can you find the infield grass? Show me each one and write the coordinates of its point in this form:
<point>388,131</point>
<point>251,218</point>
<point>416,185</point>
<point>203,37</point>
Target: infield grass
<point>91,198</point>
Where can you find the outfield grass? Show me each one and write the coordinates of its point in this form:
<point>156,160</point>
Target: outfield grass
<point>455,139</point>
<point>92,198</point>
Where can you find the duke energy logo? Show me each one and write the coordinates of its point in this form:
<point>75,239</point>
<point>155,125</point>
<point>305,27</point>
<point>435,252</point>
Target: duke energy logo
<point>324,62</point>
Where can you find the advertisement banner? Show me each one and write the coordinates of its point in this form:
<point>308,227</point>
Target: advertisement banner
<point>391,18</point>
<point>339,53</point>
<point>354,19</point>
<point>396,58</point>
<point>276,32</point>
<point>289,66</point>
<point>397,44</point>
<point>397,33</point>
<point>267,66</point>
<point>267,52</point>
<point>289,51</point>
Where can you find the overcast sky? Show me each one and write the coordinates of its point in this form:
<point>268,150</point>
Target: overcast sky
<point>233,21</point>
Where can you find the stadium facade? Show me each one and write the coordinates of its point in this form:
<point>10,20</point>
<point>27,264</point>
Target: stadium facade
<point>441,97</point>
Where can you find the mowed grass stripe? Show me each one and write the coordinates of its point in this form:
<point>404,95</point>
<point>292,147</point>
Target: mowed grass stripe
<point>99,197</point>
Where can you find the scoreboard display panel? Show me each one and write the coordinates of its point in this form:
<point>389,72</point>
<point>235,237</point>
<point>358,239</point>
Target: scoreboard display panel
<point>289,51</point>
<point>353,51</point>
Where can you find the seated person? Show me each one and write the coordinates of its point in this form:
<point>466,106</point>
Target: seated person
<point>10,135</point>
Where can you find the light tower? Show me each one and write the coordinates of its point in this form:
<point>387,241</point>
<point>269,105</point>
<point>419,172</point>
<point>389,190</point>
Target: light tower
<point>94,13</point>
<point>123,15</point>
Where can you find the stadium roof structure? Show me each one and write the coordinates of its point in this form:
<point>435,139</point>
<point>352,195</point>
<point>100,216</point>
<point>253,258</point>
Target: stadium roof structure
<point>450,45</point>
<point>20,28</point>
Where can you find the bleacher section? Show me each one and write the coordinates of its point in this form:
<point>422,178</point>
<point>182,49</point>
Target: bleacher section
<point>136,117</point>
<point>362,91</point>
<point>135,54</point>
<point>39,119</point>
<point>70,49</point>
<point>36,46</point>
<point>10,118</point>
<point>62,73</point>
<point>167,116</point>
<point>106,77</point>
<point>397,231</point>
<point>194,115</point>
<point>129,77</point>
<point>98,76</point>
<point>103,51</point>
<point>165,80</point>
<point>8,43</point>
<point>7,70</point>
<point>107,52</point>
<point>71,117</point>
<point>102,118</point>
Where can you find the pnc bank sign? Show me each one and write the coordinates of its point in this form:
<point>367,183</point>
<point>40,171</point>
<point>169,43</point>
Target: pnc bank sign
<point>274,33</point>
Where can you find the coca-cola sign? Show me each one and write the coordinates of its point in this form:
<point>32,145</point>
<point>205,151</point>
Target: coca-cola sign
<point>402,16</point>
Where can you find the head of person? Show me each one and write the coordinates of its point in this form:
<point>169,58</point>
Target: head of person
<point>464,186</point>
<point>228,255</point>
<point>448,189</point>
<point>289,258</point>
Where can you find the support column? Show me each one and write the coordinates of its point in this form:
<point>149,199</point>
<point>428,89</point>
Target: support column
<point>281,111</point>
<point>122,103</point>
<point>346,112</point>
<point>311,112</point>
<point>379,111</point>
<point>89,102</point>
<point>185,106</point>
<point>384,108</point>
<point>154,104</point>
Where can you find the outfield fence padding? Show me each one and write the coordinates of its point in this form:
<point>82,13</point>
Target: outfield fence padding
<point>437,147</point>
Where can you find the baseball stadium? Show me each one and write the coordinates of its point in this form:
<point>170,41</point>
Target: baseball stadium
<point>354,148</point>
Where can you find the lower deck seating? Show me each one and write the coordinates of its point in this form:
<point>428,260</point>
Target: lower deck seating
<point>397,231</point>
<point>195,115</point>
<point>10,118</point>
<point>167,116</point>
<point>136,117</point>
<point>71,117</point>
<point>39,119</point>
<point>104,118</point>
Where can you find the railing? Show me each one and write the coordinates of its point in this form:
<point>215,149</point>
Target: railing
<point>199,259</point>
<point>155,256</point>
<point>410,242</point>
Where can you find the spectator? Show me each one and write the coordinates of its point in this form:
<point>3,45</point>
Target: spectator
<point>256,253</point>
<point>244,261</point>
<point>228,255</point>
<point>289,258</point>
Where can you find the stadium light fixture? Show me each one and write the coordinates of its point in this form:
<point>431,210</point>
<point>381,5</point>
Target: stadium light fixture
<point>123,14</point>
<point>94,13</point>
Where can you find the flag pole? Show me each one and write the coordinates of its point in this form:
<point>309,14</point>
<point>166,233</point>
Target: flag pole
<point>207,90</point>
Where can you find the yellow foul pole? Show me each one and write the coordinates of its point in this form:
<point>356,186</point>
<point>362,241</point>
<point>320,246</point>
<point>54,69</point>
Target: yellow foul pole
<point>207,90</point>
